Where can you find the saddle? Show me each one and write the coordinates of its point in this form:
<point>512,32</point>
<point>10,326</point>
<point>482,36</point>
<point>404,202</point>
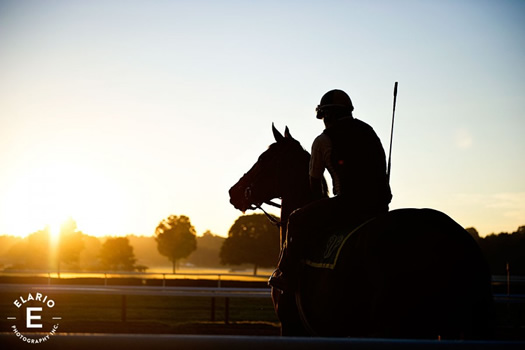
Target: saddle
<point>326,252</point>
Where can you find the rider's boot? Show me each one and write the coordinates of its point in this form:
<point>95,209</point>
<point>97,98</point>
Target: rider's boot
<point>278,280</point>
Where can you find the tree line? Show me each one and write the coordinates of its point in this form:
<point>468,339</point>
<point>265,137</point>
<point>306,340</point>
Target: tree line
<point>503,251</point>
<point>252,240</point>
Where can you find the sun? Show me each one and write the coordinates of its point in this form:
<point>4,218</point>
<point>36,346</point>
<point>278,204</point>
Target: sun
<point>46,196</point>
<point>55,225</point>
<point>38,199</point>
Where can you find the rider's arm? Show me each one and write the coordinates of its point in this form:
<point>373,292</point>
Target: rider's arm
<point>317,186</point>
<point>320,156</point>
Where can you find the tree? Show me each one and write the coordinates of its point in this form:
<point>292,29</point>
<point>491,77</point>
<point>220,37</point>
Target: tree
<point>70,244</point>
<point>176,238</point>
<point>117,254</point>
<point>6,245</point>
<point>39,250</point>
<point>473,232</point>
<point>89,258</point>
<point>252,239</point>
<point>503,249</point>
<point>32,252</point>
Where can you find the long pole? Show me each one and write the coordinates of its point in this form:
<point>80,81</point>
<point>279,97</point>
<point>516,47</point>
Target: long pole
<point>391,134</point>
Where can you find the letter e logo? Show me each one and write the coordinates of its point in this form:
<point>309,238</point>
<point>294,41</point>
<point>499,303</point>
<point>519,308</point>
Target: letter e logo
<point>30,317</point>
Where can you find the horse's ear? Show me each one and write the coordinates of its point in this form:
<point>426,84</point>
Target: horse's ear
<point>287,133</point>
<point>278,136</point>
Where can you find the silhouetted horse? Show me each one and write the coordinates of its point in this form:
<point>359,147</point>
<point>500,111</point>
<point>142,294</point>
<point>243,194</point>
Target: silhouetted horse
<point>412,273</point>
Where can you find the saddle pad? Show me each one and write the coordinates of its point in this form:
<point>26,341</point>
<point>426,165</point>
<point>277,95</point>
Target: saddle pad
<point>325,257</point>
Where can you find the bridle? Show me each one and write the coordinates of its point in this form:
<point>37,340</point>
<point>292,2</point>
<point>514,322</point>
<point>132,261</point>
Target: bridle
<point>248,197</point>
<point>254,176</point>
<point>272,219</point>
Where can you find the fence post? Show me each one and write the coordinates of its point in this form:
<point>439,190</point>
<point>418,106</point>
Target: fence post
<point>227,310</point>
<point>213,309</point>
<point>124,307</point>
<point>508,279</point>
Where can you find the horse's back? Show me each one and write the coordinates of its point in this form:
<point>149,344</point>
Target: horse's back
<point>408,273</point>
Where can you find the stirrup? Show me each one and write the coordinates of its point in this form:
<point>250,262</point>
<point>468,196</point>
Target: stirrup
<point>278,281</point>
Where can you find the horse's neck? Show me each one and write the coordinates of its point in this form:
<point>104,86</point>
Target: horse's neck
<point>295,187</point>
<point>296,197</point>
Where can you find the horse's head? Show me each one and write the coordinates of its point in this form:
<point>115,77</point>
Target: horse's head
<point>270,176</point>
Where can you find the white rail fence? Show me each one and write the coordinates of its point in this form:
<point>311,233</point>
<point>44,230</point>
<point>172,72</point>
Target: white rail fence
<point>108,276</point>
<point>124,291</point>
<point>209,292</point>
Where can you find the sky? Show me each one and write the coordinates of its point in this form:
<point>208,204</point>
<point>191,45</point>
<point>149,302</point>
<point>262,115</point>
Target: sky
<point>121,113</point>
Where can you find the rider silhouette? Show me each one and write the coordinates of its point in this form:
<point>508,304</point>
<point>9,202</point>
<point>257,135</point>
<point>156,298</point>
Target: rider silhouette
<point>353,155</point>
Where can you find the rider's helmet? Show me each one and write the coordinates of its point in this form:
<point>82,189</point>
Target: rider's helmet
<point>334,100</point>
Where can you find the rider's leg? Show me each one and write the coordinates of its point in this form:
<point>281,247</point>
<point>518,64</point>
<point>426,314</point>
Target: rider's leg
<point>303,225</point>
<point>307,224</point>
<point>282,277</point>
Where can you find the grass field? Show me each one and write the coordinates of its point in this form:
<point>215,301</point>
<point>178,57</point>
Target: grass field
<point>149,314</point>
<point>98,313</point>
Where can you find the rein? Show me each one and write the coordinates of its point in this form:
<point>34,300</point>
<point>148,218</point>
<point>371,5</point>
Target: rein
<point>270,218</point>
<point>274,221</point>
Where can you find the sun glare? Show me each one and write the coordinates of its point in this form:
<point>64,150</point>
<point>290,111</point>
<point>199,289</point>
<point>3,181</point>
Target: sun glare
<point>54,230</point>
<point>48,196</point>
